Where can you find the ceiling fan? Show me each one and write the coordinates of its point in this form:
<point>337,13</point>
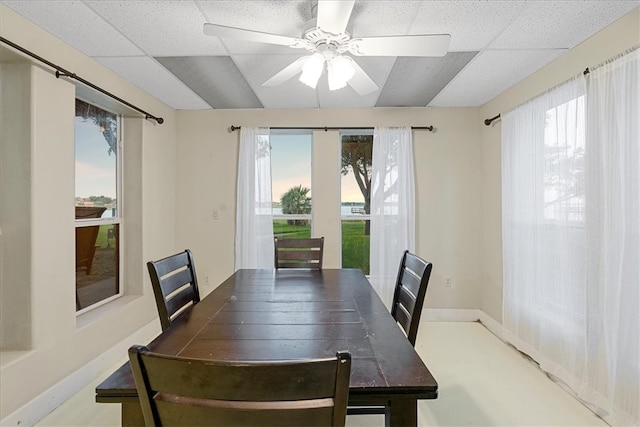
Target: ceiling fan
<point>328,41</point>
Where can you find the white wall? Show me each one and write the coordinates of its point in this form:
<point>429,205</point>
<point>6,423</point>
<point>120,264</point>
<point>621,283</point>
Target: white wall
<point>448,188</point>
<point>38,288</point>
<point>613,40</point>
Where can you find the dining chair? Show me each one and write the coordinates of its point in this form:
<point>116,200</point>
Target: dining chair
<point>175,285</point>
<point>176,391</point>
<point>406,308</point>
<point>299,253</point>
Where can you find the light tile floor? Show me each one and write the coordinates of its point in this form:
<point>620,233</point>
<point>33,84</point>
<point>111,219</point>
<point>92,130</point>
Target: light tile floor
<point>482,382</point>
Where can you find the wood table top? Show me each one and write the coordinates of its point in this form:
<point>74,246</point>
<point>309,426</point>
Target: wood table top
<point>294,314</point>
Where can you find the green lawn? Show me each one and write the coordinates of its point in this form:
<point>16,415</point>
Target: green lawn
<point>355,245</point>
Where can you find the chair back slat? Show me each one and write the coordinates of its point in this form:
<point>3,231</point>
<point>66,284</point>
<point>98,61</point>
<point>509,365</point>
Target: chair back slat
<point>171,283</point>
<point>180,391</point>
<point>175,285</point>
<point>263,415</point>
<point>171,263</point>
<point>411,288</point>
<point>403,317</point>
<point>180,302</point>
<point>299,253</point>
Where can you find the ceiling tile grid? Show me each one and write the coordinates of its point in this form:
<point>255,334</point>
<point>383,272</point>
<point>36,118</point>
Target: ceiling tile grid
<point>560,24</point>
<point>215,78</point>
<point>77,25</point>
<point>160,28</point>
<point>154,79</point>
<point>160,47</point>
<point>491,73</point>
<point>414,82</point>
<point>473,25</point>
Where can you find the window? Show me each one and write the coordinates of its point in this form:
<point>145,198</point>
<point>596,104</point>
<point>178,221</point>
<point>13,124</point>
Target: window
<point>357,148</point>
<point>291,183</point>
<point>564,138</point>
<point>98,208</point>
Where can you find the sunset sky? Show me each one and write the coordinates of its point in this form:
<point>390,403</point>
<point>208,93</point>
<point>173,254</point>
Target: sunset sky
<point>291,166</point>
<point>95,168</point>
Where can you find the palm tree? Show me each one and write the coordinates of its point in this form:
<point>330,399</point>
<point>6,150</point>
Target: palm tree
<point>296,201</point>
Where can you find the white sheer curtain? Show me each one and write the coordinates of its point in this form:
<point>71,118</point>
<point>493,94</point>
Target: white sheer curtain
<point>613,239</point>
<point>392,206</point>
<point>254,221</point>
<point>571,253</point>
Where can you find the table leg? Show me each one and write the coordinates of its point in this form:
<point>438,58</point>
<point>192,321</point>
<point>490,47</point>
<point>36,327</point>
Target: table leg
<point>401,412</point>
<point>132,415</point>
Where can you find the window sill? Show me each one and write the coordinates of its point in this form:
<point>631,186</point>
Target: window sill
<point>9,357</point>
<point>91,316</point>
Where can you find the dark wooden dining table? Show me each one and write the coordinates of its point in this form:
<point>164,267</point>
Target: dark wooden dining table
<point>295,314</point>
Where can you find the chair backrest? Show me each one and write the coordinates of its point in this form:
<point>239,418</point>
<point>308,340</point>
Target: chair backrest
<point>175,285</point>
<point>299,253</point>
<point>175,391</point>
<point>408,298</point>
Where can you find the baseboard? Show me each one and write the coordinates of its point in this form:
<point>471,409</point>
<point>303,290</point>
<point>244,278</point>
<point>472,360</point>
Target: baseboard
<point>42,405</point>
<point>450,315</point>
<point>463,315</point>
<point>492,325</point>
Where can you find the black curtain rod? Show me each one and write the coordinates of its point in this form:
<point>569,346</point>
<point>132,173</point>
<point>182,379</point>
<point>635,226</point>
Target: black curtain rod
<point>326,128</point>
<point>61,72</point>
<point>489,121</point>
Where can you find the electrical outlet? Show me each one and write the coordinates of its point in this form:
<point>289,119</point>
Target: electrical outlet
<point>215,214</point>
<point>206,280</point>
<point>448,282</point>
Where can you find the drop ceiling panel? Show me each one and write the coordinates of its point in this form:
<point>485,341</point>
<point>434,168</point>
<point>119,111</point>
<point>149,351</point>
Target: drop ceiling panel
<point>472,24</point>
<point>215,78</point>
<point>153,78</point>
<point>285,18</point>
<point>414,82</point>
<point>491,73</point>
<point>291,94</point>
<point>278,17</point>
<point>161,28</point>
<point>77,25</point>
<point>382,18</point>
<point>561,24</point>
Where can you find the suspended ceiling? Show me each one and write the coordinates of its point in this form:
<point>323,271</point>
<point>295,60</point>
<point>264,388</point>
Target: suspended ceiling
<point>160,47</point>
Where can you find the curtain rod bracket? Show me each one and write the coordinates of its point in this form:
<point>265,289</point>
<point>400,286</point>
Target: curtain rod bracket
<point>64,74</point>
<point>487,122</point>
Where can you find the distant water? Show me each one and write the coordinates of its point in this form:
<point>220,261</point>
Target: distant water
<point>344,209</point>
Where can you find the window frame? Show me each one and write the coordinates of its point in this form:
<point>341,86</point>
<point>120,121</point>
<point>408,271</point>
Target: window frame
<point>294,217</point>
<point>118,219</point>
<point>352,216</point>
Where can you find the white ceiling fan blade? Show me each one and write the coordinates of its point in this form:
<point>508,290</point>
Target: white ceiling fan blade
<point>248,35</point>
<point>287,73</point>
<point>361,82</point>
<point>333,15</point>
<point>419,45</point>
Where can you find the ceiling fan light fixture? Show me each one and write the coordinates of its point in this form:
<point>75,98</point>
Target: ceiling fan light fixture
<point>312,70</point>
<point>339,72</point>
